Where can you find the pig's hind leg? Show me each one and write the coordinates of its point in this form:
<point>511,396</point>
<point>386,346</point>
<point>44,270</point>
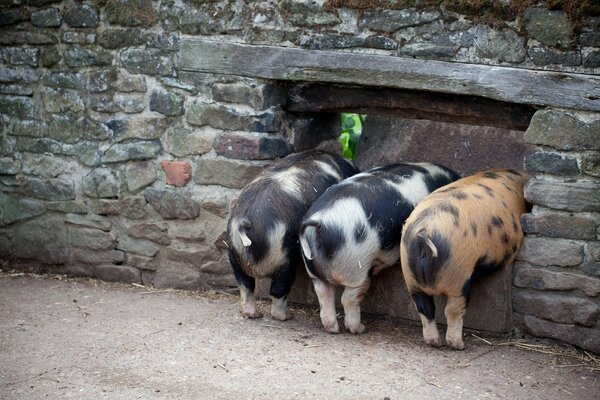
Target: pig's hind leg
<point>326,295</point>
<point>246,284</point>
<point>351,299</point>
<point>281,284</point>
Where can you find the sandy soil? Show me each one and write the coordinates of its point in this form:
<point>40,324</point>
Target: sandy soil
<point>80,339</point>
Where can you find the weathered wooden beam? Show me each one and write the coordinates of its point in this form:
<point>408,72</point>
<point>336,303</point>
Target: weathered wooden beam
<point>513,85</point>
<point>408,104</point>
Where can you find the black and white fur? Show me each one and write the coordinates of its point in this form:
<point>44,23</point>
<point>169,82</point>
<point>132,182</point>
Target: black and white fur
<point>264,224</point>
<point>353,231</point>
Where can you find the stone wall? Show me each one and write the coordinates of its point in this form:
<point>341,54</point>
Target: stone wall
<point>116,163</point>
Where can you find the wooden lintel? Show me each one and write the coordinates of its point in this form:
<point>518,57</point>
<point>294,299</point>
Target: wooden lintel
<point>513,85</point>
<point>408,104</point>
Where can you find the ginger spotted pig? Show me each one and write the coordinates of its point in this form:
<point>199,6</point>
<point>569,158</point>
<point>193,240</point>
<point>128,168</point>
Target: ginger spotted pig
<point>456,234</point>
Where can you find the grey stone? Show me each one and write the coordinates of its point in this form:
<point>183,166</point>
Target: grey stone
<point>556,307</point>
<point>46,166</point>
<point>590,164</point>
<point>178,84</point>
<point>548,56</point>
<point>131,12</point>
<point>149,61</point>
<point>130,83</point>
<point>80,57</point>
<point>43,239</point>
<point>90,221</point>
<point>17,106</point>
<point>134,207</point>
<point>94,239</point>
<point>15,38</point>
<point>502,45</point>
<point>95,257</point>
<point>592,60</point>
<point>17,208</point>
<point>590,39</point>
<point>214,199</point>
<point>9,166</point>
<point>26,127</point>
<point>141,262</point>
<point>7,145</point>
<point>103,103</point>
<point>50,56</point>
<point>171,204</point>
<point>228,118</point>
<point>551,163</point>
<point>181,141</point>
<point>193,254</point>
<point>392,20</point>
<point>20,56</point>
<point>69,129</point>
<point>171,274</point>
<point>166,103</point>
<point>594,249</point>
<point>81,16</point>
<point>257,96</point>
<point>131,151</point>
<point>101,183</point>
<point>203,18</point>
<point>117,273</point>
<point>544,251</point>
<point>120,38</point>
<point>556,128</point>
<point>16,90</point>
<point>72,37</point>
<point>591,267</point>
<point>138,175</point>
<point>586,338</point>
<point>54,189</point>
<point>67,207</point>
<point>137,128</point>
<point>87,152</point>
<point>36,145</point>
<point>19,75</point>
<point>7,244</point>
<point>155,232</point>
<point>225,172</point>
<point>307,14</point>
<point>578,196</point>
<point>62,101</point>
<point>104,207</point>
<point>140,247</point>
<point>251,147</point>
<point>544,279</point>
<point>559,225</point>
<point>331,41</point>
<point>102,80</point>
<point>46,18</point>
<point>130,103</point>
<point>552,28</point>
<point>65,80</point>
<point>440,46</point>
<point>13,16</point>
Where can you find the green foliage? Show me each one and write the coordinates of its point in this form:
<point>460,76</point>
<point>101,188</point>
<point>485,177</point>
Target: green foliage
<point>351,130</point>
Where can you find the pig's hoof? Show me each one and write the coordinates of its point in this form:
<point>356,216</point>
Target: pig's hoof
<point>360,328</point>
<point>252,314</point>
<point>455,344</point>
<point>331,327</point>
<point>434,342</point>
<point>281,315</point>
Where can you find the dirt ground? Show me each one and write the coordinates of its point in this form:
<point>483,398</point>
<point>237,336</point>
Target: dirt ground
<point>81,339</point>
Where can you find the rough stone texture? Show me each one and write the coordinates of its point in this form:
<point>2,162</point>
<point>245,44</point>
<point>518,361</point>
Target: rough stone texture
<point>181,141</point>
<point>544,251</point>
<point>16,106</point>
<point>131,13</point>
<point>138,175</point>
<point>224,172</point>
<point>590,164</point>
<point>566,309</point>
<point>222,117</point>
<point>576,196</point>
<point>166,103</point>
<point>392,20</point>
<point>251,147</point>
<point>43,239</point>
<point>548,280</point>
<point>548,56</point>
<point>559,225</point>
<point>15,208</point>
<point>62,101</point>
<point>259,97</point>
<point>65,80</point>
<point>94,239</point>
<point>89,221</point>
<point>9,166</point>
<point>150,61</point>
<point>586,338</point>
<point>18,56</point>
<point>117,273</point>
<point>552,28</point>
<point>101,183</point>
<point>555,128</point>
<point>47,189</point>
<point>67,207</point>
<point>504,46</point>
<point>131,151</point>
<point>551,163</point>
<point>155,232</point>
<point>178,173</point>
<point>42,165</point>
<point>171,204</point>
<point>140,247</point>
<point>81,16</point>
<point>46,18</point>
<point>80,57</point>
<point>121,38</point>
<point>137,127</point>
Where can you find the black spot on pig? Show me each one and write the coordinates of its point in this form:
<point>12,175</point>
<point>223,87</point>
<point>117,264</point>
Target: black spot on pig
<point>459,195</point>
<point>452,210</point>
<point>505,238</point>
<point>421,260</point>
<point>487,189</point>
<point>483,266</point>
<point>332,239</point>
<point>435,181</point>
<point>491,175</point>
<point>425,305</point>
<point>474,228</point>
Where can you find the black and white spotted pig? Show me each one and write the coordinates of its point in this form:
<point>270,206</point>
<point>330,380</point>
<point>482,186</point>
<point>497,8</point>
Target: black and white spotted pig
<point>458,233</point>
<point>353,231</point>
<point>264,224</point>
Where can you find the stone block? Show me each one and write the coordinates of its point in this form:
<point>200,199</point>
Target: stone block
<point>89,238</point>
<point>116,38</point>
<point>78,57</point>
<point>27,37</point>
<point>171,204</point>
<point>251,146</point>
<point>586,338</point>
<point>17,106</point>
<point>215,199</point>
<point>87,152</point>
<point>20,56</point>
<point>16,208</point>
<point>551,163</point>
<point>7,244</point>
<point>137,127</point>
<point>62,101</point>
<point>131,12</point>
<point>334,41</point>
<point>156,232</point>
<point>594,249</point>
<point>257,96</point>
<point>590,164</point>
<point>71,129</point>
<point>592,60</point>
<point>14,15</point>
<point>544,279</point>
<point>166,103</point>
<point>229,118</point>
<point>181,141</point>
<point>132,151</point>
<point>178,173</point>
<point>46,18</point>
<point>130,103</point>
<point>578,196</point>
<point>81,16</point>
<point>9,166</point>
<point>559,225</point>
<point>541,55</point>
<point>501,45</point>
<point>16,90</point>
<point>562,308</point>
<point>307,14</point>
<point>50,56</point>
<point>67,207</point>
<point>103,103</point>
<point>392,20</point>
<point>229,173</point>
<point>544,251</point>
<point>65,80</point>
<point>89,221</point>
<point>43,239</point>
<point>19,75</point>
<point>170,274</point>
<point>140,247</point>
<point>95,257</point>
<point>129,207</point>
<point>117,273</point>
<point>204,18</point>
<point>552,28</point>
<point>53,189</point>
<point>191,253</point>
<point>101,183</point>
<point>138,175</point>
<point>147,61</point>
<point>556,128</point>
<point>141,262</point>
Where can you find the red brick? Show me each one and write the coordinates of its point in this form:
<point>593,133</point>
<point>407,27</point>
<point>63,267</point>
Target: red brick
<point>178,173</point>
